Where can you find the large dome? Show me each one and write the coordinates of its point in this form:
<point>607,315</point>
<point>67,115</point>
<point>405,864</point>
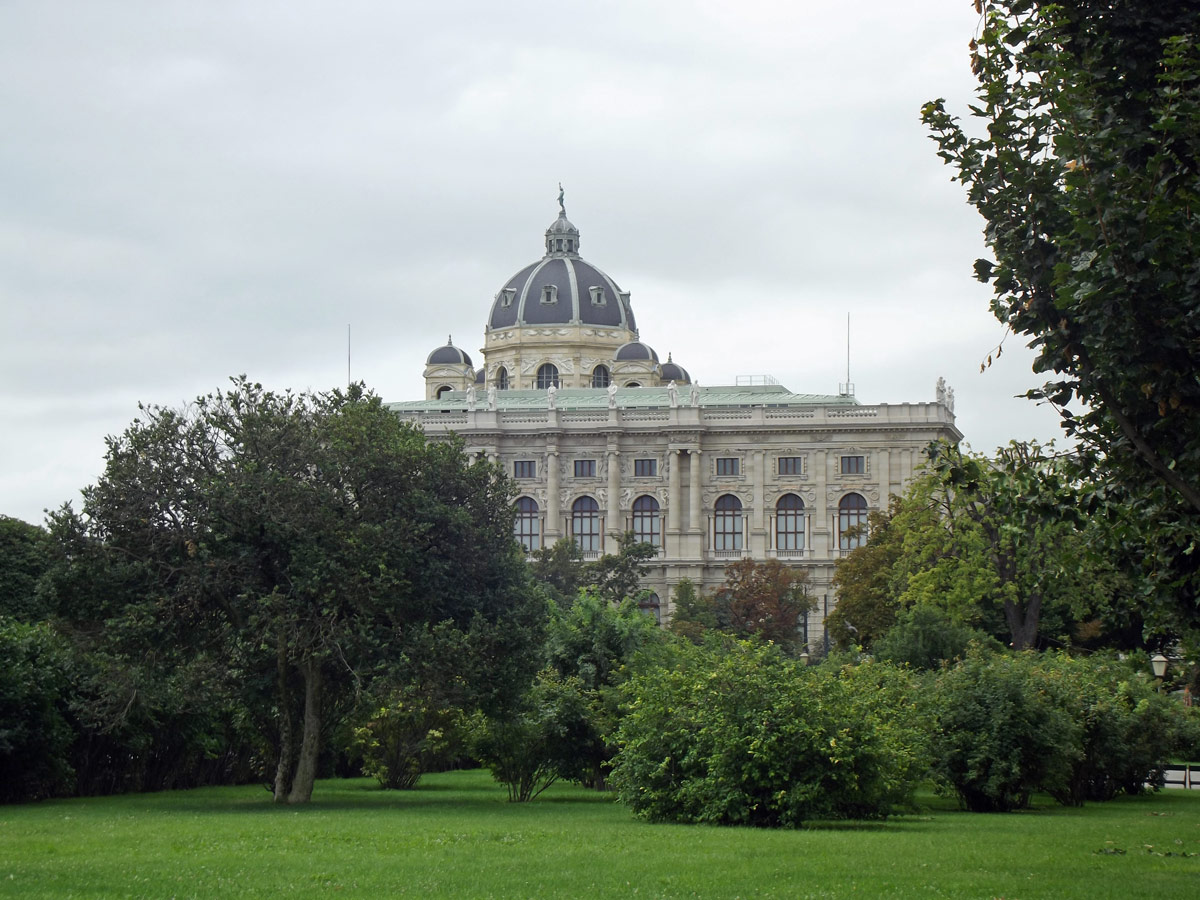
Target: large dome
<point>561,289</point>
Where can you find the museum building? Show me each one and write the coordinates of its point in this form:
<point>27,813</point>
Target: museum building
<point>602,437</point>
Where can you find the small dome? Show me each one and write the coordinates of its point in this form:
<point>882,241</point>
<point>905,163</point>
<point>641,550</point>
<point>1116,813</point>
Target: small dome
<point>635,350</point>
<point>448,355</point>
<point>562,225</point>
<point>479,376</point>
<point>672,371</point>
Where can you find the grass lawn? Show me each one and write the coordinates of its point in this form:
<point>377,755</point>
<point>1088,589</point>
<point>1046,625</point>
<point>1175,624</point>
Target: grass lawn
<point>455,836</point>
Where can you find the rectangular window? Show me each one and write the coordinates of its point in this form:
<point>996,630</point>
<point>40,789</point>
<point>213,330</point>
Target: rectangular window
<point>729,465</point>
<point>645,468</point>
<point>854,465</point>
<point>585,468</point>
<point>791,465</point>
<point>525,468</point>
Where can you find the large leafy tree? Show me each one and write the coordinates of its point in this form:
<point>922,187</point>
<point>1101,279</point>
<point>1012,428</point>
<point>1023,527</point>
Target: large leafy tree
<point>1087,173</point>
<point>766,600</point>
<point>996,543</point>
<point>317,543</point>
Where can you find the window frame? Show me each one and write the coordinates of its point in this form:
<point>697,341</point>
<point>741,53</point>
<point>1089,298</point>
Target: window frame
<point>547,374</point>
<point>524,468</point>
<point>851,515</point>
<point>641,465</point>
<point>727,523</point>
<point>726,463</point>
<point>790,523</point>
<point>585,511</point>
<point>854,468</point>
<point>527,524</point>
<point>647,520</point>
<point>789,465</point>
<point>585,468</point>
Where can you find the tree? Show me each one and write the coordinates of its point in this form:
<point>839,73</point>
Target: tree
<point>997,544</point>
<point>315,543</point>
<point>1088,178</point>
<point>615,576</point>
<point>764,600</point>
<point>559,569</point>
<point>1022,503</point>
<point>618,576</point>
<point>592,647</point>
<point>24,557</point>
<point>863,578</point>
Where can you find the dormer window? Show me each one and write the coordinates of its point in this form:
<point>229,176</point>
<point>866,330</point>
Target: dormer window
<point>550,293</point>
<point>506,296</point>
<point>597,293</point>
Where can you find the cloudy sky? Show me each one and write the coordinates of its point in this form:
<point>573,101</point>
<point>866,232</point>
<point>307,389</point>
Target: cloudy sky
<point>194,190</point>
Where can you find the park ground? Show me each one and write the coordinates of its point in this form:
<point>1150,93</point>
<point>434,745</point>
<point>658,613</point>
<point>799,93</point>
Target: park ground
<point>456,836</point>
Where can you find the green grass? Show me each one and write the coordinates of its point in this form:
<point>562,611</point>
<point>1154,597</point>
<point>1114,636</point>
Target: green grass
<point>455,836</point>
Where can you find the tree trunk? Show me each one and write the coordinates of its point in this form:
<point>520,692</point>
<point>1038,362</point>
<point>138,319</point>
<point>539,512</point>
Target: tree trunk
<point>283,769</point>
<point>1023,622</point>
<point>310,744</point>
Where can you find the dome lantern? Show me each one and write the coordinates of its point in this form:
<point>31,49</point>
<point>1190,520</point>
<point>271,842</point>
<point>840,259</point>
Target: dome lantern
<point>562,238</point>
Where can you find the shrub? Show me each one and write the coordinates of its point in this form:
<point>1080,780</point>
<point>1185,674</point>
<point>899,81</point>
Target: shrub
<point>998,736</point>
<point>406,736</point>
<point>925,636</point>
<point>735,733</point>
<point>529,747</point>
<point>35,737</point>
<point>1126,730</point>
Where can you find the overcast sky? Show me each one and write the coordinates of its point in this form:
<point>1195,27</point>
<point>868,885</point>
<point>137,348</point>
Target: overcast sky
<point>190,191</point>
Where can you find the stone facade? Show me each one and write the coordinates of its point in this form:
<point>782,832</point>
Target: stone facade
<point>707,474</point>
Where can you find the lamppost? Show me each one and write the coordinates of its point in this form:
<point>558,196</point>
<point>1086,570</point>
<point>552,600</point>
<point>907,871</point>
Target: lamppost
<point>1158,662</point>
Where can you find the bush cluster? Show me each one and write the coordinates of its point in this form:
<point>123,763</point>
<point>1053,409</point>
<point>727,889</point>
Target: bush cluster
<point>1005,726</point>
<point>736,733</point>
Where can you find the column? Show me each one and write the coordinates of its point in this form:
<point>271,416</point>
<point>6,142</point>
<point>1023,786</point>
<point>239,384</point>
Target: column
<point>821,537</point>
<point>674,461</point>
<point>616,524</point>
<point>695,474</point>
<point>885,478</point>
<point>553,501</point>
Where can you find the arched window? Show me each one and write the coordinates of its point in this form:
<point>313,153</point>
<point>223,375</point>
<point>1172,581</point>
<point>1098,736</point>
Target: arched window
<point>600,377</point>
<point>502,379</point>
<point>789,523</point>
<point>727,524</point>
<point>646,521</point>
<point>528,527</point>
<point>585,524</point>
<point>547,375</point>
<point>633,384</point>
<point>852,522</point>
<point>444,389</point>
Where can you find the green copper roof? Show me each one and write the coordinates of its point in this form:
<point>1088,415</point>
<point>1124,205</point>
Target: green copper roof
<point>631,398</point>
